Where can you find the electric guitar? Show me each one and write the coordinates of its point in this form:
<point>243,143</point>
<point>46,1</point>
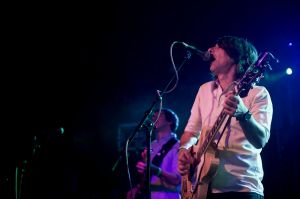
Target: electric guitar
<point>195,182</point>
<point>139,191</point>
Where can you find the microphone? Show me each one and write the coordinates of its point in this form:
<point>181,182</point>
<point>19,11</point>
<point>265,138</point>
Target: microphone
<point>206,56</point>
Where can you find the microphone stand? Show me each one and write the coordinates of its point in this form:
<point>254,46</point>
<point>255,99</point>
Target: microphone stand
<point>21,170</point>
<point>149,126</point>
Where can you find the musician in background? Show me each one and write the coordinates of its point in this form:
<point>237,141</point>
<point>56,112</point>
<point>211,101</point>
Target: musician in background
<point>165,179</point>
<point>240,142</point>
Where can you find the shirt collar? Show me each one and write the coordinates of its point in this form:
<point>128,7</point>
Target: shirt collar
<point>167,137</point>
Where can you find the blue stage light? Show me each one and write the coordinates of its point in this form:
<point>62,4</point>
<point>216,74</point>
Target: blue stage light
<point>288,71</point>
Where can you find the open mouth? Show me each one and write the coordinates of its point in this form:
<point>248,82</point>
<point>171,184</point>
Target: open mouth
<point>211,58</point>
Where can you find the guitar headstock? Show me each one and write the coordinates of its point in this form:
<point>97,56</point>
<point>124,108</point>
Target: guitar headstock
<point>256,71</point>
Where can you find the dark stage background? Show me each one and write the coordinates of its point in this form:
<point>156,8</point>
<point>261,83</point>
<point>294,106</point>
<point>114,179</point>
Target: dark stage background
<point>124,58</point>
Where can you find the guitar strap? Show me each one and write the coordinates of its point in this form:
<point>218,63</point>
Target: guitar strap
<point>157,160</point>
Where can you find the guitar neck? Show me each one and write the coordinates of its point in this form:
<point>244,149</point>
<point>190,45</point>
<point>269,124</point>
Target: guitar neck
<point>212,133</point>
<point>217,125</point>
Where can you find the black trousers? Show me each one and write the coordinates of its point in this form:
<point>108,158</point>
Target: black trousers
<point>234,195</point>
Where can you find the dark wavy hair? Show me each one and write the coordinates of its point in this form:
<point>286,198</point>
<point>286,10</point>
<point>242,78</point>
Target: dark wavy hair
<point>172,117</point>
<point>240,50</point>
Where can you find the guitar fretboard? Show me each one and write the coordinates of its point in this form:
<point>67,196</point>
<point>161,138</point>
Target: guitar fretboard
<point>211,135</point>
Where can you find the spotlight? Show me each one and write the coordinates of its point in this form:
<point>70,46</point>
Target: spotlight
<point>288,71</point>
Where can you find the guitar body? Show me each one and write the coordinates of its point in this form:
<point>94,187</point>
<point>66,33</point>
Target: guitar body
<point>195,182</point>
<point>139,191</point>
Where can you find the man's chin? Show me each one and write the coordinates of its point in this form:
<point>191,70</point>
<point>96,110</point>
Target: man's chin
<point>212,71</point>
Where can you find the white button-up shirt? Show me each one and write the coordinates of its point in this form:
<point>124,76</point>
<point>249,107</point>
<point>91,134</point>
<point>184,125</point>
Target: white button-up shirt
<point>240,167</point>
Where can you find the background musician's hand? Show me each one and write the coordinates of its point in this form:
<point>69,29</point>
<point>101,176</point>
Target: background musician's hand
<point>141,167</point>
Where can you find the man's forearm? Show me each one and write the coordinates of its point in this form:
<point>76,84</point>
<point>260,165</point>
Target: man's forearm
<point>188,139</point>
<point>255,133</point>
